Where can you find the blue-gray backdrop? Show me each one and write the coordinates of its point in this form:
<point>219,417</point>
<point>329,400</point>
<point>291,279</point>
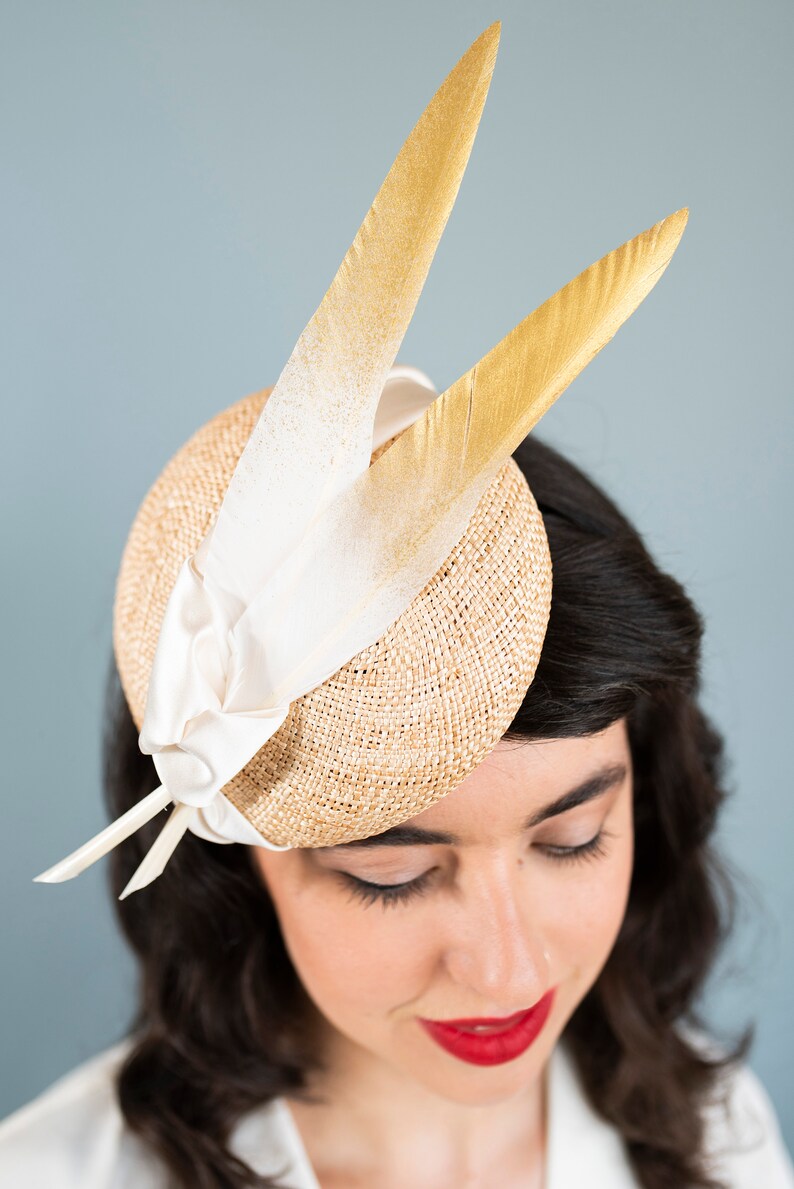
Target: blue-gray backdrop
<point>181,179</point>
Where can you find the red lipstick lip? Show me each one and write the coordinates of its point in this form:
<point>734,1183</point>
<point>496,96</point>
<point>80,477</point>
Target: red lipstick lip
<point>505,1039</point>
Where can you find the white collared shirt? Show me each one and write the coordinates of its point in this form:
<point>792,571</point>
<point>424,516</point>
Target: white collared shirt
<point>73,1136</point>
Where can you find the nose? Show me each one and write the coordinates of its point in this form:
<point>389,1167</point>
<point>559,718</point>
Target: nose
<point>495,947</point>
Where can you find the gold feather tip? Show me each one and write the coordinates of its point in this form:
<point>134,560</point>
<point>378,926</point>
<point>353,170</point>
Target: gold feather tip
<point>315,432</point>
<point>483,416</point>
<point>421,492</point>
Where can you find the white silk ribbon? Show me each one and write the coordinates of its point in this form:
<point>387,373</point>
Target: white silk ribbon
<point>210,703</point>
<point>188,700</point>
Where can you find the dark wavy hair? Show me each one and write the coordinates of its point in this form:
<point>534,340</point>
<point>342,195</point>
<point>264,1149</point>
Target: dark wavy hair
<point>222,1020</point>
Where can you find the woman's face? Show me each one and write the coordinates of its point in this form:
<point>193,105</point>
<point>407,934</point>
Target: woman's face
<point>411,926</point>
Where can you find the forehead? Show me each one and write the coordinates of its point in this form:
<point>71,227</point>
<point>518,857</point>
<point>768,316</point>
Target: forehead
<point>520,777</point>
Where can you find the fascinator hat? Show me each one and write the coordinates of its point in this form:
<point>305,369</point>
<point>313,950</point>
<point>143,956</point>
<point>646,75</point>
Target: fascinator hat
<point>333,599</point>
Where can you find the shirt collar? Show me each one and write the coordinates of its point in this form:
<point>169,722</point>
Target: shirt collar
<point>582,1148</point>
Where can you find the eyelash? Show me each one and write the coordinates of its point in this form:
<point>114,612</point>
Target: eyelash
<point>398,893</point>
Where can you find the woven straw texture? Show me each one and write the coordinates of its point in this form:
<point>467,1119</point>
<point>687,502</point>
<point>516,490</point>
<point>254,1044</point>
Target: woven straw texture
<point>407,719</point>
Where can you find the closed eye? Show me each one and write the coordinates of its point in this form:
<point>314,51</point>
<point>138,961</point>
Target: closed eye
<point>394,893</point>
<point>399,893</point>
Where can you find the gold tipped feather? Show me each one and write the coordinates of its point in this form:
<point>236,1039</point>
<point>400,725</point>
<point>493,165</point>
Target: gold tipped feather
<point>333,380</point>
<point>474,425</point>
<point>349,580</point>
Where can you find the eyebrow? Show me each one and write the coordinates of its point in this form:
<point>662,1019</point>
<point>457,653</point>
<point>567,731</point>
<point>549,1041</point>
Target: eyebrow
<point>595,786</point>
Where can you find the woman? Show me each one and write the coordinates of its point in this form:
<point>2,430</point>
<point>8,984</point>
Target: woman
<point>420,965</point>
<point>299,979</point>
<point>283,994</point>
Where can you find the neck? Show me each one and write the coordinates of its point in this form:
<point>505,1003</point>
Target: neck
<point>371,1117</point>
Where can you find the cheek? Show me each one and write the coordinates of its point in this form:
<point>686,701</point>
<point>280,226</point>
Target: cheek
<point>590,909</point>
<point>355,961</point>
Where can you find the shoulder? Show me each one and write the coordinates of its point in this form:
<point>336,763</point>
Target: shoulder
<point>742,1144</point>
<point>742,1139</point>
<point>73,1135</point>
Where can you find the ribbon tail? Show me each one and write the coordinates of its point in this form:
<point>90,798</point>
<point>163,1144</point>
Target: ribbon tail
<point>111,836</point>
<point>161,849</point>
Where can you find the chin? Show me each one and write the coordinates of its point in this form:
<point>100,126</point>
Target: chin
<point>483,1085</point>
